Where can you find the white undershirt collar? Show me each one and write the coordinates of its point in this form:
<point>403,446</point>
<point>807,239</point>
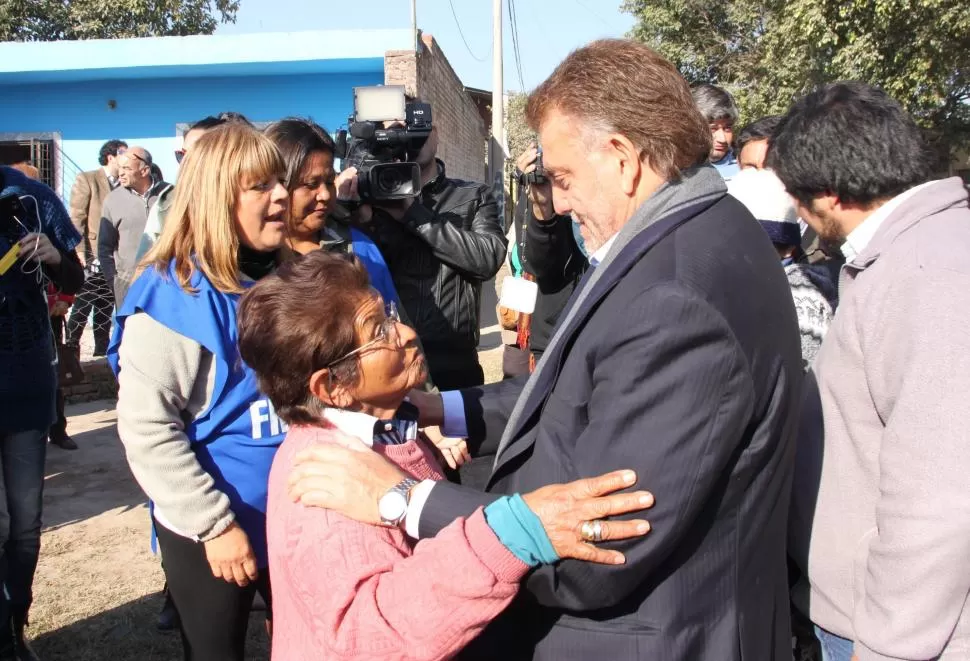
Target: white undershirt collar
<point>600,255</point>
<point>357,424</point>
<point>861,236</point>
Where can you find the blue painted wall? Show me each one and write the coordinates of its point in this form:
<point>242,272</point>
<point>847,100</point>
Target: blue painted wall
<point>148,110</point>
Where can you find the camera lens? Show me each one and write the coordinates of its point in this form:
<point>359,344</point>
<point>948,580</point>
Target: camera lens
<point>390,179</point>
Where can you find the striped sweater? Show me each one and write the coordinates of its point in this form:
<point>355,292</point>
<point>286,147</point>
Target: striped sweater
<point>815,297</point>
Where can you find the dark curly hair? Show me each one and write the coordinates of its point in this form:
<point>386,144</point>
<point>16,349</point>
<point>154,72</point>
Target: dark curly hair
<point>110,148</point>
<point>851,140</point>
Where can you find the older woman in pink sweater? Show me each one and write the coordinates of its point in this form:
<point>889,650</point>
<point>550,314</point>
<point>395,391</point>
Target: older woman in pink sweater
<point>337,366</point>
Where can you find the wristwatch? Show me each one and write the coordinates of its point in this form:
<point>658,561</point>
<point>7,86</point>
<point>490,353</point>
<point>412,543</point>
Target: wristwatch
<point>393,505</point>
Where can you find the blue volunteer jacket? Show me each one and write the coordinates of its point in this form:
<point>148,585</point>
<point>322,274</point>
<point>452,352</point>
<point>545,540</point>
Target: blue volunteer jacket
<point>236,438</point>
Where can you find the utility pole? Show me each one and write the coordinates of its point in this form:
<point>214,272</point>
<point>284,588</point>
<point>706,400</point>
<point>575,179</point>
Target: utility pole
<point>496,145</point>
<point>414,24</point>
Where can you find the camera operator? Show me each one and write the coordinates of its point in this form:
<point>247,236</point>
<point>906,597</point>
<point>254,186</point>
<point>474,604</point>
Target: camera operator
<point>548,249</point>
<point>440,247</point>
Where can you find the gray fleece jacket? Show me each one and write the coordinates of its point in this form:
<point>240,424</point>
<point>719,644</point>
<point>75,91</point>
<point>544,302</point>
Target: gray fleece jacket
<point>123,218</point>
<point>166,381</point>
<point>880,512</point>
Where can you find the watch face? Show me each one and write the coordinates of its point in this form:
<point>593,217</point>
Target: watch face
<point>392,506</point>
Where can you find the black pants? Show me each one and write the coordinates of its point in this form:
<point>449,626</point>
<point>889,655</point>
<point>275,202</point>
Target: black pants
<point>214,614</point>
<point>97,295</point>
<point>60,425</point>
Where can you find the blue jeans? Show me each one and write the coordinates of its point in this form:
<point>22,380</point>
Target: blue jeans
<point>833,647</point>
<point>22,457</point>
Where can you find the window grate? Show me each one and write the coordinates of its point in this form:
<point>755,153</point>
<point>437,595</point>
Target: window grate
<point>34,152</point>
<point>41,158</point>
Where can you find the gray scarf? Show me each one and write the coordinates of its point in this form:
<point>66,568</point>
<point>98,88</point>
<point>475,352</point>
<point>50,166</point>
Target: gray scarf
<point>696,185</point>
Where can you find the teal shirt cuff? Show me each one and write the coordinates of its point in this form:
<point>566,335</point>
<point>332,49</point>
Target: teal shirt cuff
<point>521,531</point>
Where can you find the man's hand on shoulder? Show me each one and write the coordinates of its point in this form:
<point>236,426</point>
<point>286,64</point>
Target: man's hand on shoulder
<point>346,476</point>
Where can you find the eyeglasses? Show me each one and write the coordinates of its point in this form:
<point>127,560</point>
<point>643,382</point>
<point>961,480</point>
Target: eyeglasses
<point>387,334</point>
<point>179,155</point>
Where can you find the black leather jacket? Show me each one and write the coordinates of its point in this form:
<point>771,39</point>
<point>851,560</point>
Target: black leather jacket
<point>449,243</point>
<point>548,250</point>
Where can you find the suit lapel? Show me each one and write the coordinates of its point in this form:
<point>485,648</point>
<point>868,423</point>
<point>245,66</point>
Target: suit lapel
<point>545,376</point>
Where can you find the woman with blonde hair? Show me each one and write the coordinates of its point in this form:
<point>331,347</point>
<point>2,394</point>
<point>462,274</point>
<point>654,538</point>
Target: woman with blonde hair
<point>199,436</point>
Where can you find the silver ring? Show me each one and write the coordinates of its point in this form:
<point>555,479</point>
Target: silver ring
<point>592,531</point>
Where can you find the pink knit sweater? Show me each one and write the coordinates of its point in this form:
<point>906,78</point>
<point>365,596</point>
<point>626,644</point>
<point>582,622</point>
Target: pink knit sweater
<point>347,590</point>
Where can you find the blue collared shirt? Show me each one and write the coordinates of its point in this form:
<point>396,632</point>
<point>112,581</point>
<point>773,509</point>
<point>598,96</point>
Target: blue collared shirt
<point>728,166</point>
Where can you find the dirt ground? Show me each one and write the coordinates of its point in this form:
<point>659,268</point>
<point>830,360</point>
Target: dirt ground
<point>97,586</point>
<point>97,590</point>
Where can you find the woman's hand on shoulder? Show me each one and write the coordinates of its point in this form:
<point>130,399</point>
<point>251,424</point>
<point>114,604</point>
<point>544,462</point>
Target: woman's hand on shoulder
<point>565,508</point>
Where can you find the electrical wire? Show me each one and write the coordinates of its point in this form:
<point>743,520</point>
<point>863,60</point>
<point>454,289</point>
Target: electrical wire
<point>457,23</point>
<point>596,15</point>
<point>514,23</point>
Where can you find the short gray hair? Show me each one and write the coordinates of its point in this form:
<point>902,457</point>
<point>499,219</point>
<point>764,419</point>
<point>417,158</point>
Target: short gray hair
<point>715,103</point>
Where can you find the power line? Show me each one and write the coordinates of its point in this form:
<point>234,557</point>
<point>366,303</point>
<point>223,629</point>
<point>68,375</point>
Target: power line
<point>514,23</point>
<point>596,15</point>
<point>516,43</point>
<point>469,48</point>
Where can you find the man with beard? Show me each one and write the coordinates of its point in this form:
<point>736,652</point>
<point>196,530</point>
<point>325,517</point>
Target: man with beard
<point>659,364</point>
<point>880,516</point>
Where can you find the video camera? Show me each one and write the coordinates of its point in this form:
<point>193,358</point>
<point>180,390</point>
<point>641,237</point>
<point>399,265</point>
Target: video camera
<point>537,176</point>
<point>386,134</point>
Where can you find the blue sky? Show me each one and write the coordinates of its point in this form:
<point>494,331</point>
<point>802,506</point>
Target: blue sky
<point>548,30</point>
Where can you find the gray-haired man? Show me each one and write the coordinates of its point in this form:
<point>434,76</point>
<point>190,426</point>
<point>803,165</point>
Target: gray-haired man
<point>721,113</point>
<point>123,219</point>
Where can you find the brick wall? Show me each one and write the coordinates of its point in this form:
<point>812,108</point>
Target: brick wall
<point>461,131</point>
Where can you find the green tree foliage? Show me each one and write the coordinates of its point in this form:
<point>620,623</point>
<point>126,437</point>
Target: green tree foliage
<point>770,52</point>
<point>50,20</point>
<point>517,132</point>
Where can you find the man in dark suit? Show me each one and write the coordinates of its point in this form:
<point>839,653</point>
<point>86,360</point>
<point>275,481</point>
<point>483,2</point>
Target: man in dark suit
<point>678,357</point>
<point>87,198</point>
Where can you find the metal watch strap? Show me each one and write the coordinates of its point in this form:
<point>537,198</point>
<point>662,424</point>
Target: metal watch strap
<point>404,486</point>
